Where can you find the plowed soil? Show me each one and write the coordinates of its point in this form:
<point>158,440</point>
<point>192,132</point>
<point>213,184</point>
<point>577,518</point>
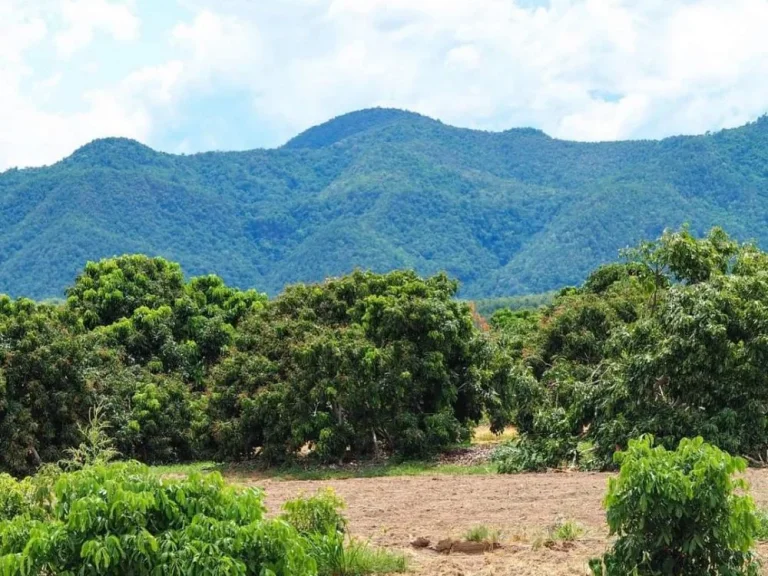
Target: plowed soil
<point>393,511</point>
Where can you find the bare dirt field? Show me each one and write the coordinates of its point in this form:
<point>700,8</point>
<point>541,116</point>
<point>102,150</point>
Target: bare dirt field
<point>393,511</point>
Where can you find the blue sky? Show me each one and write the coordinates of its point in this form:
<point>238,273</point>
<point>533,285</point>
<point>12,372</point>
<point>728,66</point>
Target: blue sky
<point>192,75</point>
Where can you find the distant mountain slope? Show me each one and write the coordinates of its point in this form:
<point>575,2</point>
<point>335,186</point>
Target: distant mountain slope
<point>507,213</point>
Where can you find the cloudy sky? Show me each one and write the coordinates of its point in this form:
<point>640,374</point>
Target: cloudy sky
<point>191,75</point>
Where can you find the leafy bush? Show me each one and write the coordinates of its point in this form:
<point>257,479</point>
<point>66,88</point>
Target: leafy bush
<point>678,513</point>
<point>317,514</point>
<point>762,526</point>
<point>123,519</point>
<point>318,519</point>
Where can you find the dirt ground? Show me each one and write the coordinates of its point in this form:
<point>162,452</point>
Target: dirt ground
<point>393,511</point>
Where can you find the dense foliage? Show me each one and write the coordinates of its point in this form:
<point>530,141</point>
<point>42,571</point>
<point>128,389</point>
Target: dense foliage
<point>363,362</point>
<point>507,213</point>
<point>678,513</point>
<point>357,366</point>
<point>125,519</point>
<point>670,342</point>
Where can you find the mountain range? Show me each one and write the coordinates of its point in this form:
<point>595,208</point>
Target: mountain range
<point>506,213</point>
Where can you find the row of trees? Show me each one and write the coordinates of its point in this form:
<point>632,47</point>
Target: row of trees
<point>195,369</point>
<point>669,341</point>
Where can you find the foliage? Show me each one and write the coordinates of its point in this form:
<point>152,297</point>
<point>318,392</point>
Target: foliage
<point>761,534</point>
<point>358,365</point>
<point>488,306</point>
<point>510,213</point>
<point>123,519</point>
<point>678,512</point>
<point>337,557</point>
<point>320,513</point>
<point>363,365</point>
<point>319,520</point>
<point>18,498</point>
<point>669,342</point>
<point>97,447</point>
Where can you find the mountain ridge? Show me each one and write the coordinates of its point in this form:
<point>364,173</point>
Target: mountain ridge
<point>506,212</point>
<point>293,143</point>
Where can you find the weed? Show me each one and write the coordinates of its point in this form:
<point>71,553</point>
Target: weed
<point>761,534</point>
<point>567,531</point>
<point>334,557</point>
<point>562,531</point>
<point>97,447</point>
<point>482,533</point>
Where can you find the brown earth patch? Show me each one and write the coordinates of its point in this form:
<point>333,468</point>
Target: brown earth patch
<point>395,511</point>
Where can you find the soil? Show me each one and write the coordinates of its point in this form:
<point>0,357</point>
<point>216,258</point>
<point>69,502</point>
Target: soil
<point>394,511</point>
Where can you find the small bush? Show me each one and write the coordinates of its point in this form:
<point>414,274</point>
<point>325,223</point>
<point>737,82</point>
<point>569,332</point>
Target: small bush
<point>97,446</point>
<point>525,454</point>
<point>319,520</point>
<point>678,512</point>
<point>318,514</point>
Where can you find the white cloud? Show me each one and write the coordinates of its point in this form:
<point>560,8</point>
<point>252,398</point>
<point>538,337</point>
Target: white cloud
<point>83,18</point>
<point>580,69</point>
<point>32,136</point>
<point>464,56</point>
<point>33,132</point>
<point>20,30</point>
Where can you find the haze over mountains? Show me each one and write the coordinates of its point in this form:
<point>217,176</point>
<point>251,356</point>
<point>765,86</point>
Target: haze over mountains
<point>506,213</point>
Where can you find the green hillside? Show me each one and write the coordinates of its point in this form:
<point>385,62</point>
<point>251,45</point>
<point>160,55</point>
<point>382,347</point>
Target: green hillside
<point>507,213</point>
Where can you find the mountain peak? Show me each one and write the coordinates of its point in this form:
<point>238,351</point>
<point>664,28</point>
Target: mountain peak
<point>347,125</point>
<point>117,153</point>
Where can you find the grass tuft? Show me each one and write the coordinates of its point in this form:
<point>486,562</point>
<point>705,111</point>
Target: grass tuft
<point>482,533</point>
<point>567,531</point>
<point>337,557</point>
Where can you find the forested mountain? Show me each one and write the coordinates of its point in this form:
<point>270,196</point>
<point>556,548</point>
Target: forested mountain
<point>506,213</point>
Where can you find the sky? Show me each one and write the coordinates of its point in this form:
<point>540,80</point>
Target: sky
<point>185,76</point>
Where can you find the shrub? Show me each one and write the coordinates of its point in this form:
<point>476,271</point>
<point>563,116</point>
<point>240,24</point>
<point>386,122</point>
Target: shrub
<point>678,512</point>
<point>318,514</point>
<point>123,519</point>
<point>318,519</point>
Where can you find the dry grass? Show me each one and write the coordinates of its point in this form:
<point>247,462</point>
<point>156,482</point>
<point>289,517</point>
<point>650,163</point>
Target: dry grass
<point>483,435</point>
